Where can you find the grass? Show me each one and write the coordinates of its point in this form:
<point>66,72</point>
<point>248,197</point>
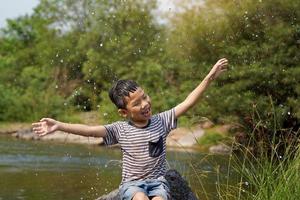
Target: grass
<point>268,165</point>
<point>264,176</point>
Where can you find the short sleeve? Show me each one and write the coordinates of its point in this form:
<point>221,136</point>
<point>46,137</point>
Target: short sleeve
<point>112,133</point>
<point>168,119</point>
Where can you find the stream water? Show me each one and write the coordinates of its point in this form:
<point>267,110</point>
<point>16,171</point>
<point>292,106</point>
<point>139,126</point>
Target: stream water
<point>36,170</point>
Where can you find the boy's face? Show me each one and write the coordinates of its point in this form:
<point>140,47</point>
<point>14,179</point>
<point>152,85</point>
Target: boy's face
<point>138,107</point>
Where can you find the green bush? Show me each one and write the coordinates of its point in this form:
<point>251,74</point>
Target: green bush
<point>211,138</point>
<point>261,41</point>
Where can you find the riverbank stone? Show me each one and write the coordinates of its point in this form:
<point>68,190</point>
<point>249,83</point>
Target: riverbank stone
<point>220,149</point>
<point>179,188</point>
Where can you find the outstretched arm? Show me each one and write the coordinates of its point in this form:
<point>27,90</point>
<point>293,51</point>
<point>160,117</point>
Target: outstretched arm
<point>193,97</point>
<point>47,125</point>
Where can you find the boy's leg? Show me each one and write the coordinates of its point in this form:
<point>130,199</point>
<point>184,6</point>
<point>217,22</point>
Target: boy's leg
<point>133,190</point>
<point>140,196</point>
<point>157,198</point>
<point>158,189</point>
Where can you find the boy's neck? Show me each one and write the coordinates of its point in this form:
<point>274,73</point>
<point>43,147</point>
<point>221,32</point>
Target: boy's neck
<point>140,124</point>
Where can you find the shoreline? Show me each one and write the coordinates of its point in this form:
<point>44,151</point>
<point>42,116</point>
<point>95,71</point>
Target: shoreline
<point>179,139</point>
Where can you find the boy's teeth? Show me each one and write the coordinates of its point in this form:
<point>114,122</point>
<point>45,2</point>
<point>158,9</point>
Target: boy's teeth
<point>146,111</point>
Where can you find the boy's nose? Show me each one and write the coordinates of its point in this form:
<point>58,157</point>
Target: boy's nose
<point>144,104</point>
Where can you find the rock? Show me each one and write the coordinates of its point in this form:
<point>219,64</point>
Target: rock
<point>220,149</point>
<point>57,136</point>
<point>26,134</point>
<point>223,129</point>
<point>13,128</point>
<point>64,137</point>
<point>191,139</point>
<point>207,124</point>
<point>179,188</point>
<point>183,137</point>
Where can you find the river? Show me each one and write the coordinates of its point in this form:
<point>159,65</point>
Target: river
<point>37,170</point>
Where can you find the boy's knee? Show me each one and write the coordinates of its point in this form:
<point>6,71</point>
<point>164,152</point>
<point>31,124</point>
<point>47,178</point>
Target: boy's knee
<point>140,196</point>
<point>157,198</point>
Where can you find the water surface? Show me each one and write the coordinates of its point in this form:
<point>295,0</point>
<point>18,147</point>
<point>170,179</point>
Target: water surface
<point>46,170</point>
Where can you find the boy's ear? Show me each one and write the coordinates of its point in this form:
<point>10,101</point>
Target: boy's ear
<point>122,112</point>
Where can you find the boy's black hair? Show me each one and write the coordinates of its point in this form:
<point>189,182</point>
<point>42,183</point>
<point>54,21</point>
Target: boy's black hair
<point>121,89</point>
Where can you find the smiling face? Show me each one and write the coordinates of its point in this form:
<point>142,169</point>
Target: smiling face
<point>138,108</point>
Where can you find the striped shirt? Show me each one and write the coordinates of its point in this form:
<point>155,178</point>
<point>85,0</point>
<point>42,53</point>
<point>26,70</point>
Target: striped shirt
<point>143,149</point>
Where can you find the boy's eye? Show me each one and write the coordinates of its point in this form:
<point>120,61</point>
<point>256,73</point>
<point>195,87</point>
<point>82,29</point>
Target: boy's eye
<point>135,104</point>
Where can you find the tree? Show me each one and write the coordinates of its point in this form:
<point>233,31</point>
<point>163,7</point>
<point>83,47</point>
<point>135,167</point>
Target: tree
<point>261,41</point>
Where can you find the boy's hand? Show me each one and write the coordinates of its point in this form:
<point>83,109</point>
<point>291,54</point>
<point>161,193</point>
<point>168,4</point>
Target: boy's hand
<point>45,126</point>
<point>218,68</point>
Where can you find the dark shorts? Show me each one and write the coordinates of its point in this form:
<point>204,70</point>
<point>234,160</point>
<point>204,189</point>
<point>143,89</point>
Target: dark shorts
<point>150,187</point>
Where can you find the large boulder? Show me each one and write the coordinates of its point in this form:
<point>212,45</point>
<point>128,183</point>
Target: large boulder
<point>179,188</point>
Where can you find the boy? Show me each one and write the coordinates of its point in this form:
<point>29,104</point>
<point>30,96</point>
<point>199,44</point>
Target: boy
<point>142,136</point>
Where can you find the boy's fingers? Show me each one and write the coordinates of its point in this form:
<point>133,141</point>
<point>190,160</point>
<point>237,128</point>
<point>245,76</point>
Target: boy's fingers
<point>45,120</point>
<point>36,129</point>
<point>223,59</point>
<point>42,134</point>
<point>39,132</point>
<point>36,124</point>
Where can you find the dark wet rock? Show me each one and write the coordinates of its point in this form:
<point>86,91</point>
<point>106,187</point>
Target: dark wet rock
<point>179,188</point>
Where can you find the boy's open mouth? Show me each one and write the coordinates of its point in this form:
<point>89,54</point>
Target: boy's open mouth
<point>146,112</point>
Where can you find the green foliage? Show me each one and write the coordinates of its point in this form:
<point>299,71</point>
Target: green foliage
<point>261,41</point>
<point>68,53</point>
<point>211,138</point>
<point>74,50</point>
